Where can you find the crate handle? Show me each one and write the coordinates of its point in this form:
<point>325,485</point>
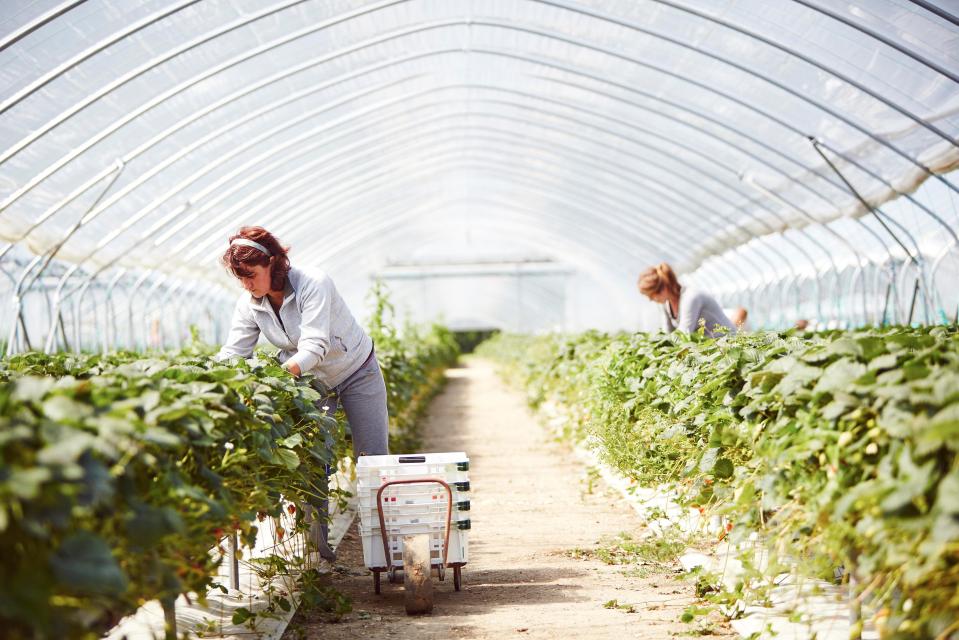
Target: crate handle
<point>412,459</point>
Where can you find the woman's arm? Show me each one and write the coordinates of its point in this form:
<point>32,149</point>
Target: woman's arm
<point>243,336</point>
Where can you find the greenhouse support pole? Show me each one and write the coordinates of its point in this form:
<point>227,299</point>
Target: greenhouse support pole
<point>941,307</point>
<point>845,242</point>
<point>912,258</point>
<point>131,338</point>
<point>56,316</point>
<point>912,304</point>
<point>109,313</point>
<point>19,323</point>
<point>147,328</point>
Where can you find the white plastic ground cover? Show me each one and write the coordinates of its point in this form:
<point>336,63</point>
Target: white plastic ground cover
<point>640,126</point>
<point>215,620</point>
<point>801,608</point>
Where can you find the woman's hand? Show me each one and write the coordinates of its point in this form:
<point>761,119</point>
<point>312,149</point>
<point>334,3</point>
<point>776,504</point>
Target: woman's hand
<point>293,368</point>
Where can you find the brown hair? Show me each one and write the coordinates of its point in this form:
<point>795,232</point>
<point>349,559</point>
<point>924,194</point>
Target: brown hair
<point>239,258</point>
<point>656,279</point>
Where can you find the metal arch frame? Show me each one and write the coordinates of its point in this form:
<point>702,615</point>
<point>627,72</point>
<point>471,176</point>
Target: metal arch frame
<point>346,193</point>
<point>937,263</point>
<point>126,189</point>
<point>249,178</point>
<point>908,196</point>
<point>494,88</point>
<point>620,137</point>
<point>883,39</point>
<point>551,149</point>
<point>229,212</point>
<point>412,213</point>
<point>798,55</point>
<point>185,122</point>
<point>527,214</point>
<point>386,223</point>
<point>361,221</point>
<point>732,64</point>
<point>198,41</point>
<point>917,259</point>
<point>615,134</point>
<point>828,254</point>
<point>471,22</point>
<point>544,152</point>
<point>32,26</point>
<point>269,187</point>
<point>713,136</point>
<point>931,8</point>
<point>89,52</point>
<point>572,213</point>
<point>490,23</point>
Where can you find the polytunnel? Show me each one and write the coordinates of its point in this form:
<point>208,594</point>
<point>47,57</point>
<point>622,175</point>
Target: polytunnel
<point>199,439</point>
<point>508,164</point>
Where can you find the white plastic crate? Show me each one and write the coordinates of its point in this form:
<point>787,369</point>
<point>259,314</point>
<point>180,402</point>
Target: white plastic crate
<point>409,494</point>
<point>410,509</point>
<point>376,470</point>
<point>373,547</point>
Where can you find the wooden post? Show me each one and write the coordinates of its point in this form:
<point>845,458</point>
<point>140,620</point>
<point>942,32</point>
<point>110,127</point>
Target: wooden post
<point>416,574</point>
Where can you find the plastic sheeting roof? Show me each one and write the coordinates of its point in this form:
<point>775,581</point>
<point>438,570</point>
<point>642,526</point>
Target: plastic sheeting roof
<point>623,132</point>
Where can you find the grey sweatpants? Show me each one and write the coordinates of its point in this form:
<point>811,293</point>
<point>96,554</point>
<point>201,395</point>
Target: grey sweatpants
<point>363,396</point>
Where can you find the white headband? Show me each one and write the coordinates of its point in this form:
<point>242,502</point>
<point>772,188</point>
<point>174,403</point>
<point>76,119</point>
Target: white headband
<point>250,243</point>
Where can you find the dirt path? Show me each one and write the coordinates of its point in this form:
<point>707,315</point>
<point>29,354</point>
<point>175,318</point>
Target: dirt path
<point>533,506</point>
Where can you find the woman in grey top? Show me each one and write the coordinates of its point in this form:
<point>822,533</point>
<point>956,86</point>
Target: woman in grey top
<point>302,314</point>
<point>683,309</point>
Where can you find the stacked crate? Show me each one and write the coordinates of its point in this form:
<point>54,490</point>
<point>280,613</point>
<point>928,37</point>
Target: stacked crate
<point>410,509</point>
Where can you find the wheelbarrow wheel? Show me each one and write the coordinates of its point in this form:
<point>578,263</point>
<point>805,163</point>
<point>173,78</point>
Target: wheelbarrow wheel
<point>457,577</point>
<point>376,581</point>
<point>416,574</point>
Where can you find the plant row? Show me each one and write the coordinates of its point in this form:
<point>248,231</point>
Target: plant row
<point>120,472</point>
<point>838,449</point>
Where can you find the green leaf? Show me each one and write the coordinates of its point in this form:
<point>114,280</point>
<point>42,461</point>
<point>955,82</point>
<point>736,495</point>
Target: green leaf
<point>723,468</point>
<point>84,565</point>
<point>64,409</point>
<point>31,388</point>
<point>941,430</point>
<point>911,481</point>
<point>26,483</point>
<point>287,458</point>
<point>839,376</point>
<point>948,500</point>
<point>871,347</point>
<point>67,447</point>
<point>241,615</point>
<point>291,442</point>
<point>883,362</point>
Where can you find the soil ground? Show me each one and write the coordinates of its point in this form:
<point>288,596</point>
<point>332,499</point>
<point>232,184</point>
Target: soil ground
<point>538,515</point>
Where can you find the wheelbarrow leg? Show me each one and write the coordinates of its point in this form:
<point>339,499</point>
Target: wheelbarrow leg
<point>416,574</point>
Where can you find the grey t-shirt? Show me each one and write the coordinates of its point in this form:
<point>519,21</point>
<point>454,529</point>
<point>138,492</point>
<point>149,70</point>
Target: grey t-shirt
<point>695,306</point>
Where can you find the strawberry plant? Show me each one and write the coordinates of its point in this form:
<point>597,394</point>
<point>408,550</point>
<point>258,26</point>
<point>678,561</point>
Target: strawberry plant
<point>838,448</point>
<point>120,472</point>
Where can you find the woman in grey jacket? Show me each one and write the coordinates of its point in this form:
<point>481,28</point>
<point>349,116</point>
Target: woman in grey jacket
<point>302,314</point>
<point>683,309</point>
